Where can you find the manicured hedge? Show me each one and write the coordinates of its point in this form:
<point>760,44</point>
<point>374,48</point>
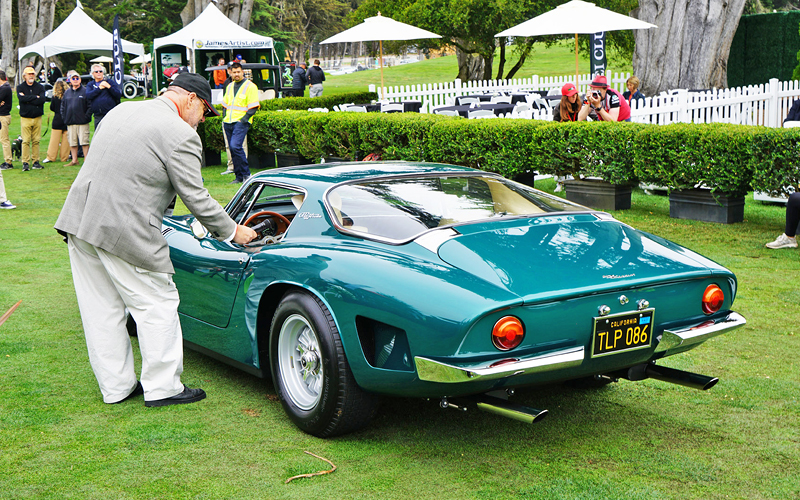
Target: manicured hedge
<point>211,131</point>
<point>730,159</point>
<point>775,156</point>
<point>687,155</point>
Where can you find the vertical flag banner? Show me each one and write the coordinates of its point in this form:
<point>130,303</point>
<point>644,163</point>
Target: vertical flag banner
<point>599,53</point>
<point>119,64</point>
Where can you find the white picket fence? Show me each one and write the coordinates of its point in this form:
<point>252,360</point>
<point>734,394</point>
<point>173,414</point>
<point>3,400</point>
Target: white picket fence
<point>442,94</point>
<point>766,104</point>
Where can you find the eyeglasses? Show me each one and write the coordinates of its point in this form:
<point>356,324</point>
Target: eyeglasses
<point>75,78</point>
<point>97,71</point>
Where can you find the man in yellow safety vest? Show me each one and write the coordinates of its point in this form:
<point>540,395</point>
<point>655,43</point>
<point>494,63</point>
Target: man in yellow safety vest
<point>240,102</point>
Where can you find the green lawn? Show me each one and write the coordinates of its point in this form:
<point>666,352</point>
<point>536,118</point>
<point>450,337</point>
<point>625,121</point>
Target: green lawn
<point>645,440</point>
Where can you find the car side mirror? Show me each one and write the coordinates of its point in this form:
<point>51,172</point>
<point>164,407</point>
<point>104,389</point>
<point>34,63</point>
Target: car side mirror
<point>198,230</point>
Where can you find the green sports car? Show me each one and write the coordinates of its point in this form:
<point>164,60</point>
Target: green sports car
<point>436,281</point>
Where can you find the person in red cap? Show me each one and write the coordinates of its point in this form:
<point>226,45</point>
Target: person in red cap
<point>570,106</point>
<point>609,104</point>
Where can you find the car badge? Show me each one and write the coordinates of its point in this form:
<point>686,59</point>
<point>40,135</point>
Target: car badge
<point>308,215</point>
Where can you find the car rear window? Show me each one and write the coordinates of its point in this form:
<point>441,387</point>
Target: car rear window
<point>401,208</point>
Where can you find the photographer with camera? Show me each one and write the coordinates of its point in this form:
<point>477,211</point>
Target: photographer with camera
<point>607,102</point>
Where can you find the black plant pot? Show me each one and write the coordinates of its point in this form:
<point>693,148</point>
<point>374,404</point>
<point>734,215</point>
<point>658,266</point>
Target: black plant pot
<point>286,160</point>
<point>525,178</point>
<point>261,161</point>
<point>700,204</point>
<point>334,159</point>
<point>212,157</point>
<point>599,194</point>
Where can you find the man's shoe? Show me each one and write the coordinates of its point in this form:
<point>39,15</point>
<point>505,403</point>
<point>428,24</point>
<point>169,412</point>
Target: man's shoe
<point>25,167</point>
<point>37,166</point>
<point>782,241</point>
<point>137,391</point>
<point>226,172</point>
<point>6,166</point>
<point>187,396</point>
<point>44,161</point>
<point>235,181</point>
<point>7,205</point>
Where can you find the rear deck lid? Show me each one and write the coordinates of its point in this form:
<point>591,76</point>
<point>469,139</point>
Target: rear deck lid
<point>563,255</point>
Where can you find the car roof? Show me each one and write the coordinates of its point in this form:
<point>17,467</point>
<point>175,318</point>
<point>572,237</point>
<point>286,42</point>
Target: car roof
<point>335,173</point>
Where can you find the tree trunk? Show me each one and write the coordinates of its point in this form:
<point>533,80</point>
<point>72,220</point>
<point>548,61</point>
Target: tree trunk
<point>9,55</point>
<point>690,47</point>
<point>472,66</point>
<point>235,10</point>
<point>502,64</point>
<point>35,23</point>
<point>47,11</point>
<point>524,53</point>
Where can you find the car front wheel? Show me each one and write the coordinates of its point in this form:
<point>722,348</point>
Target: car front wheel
<point>310,371</point>
<point>129,90</point>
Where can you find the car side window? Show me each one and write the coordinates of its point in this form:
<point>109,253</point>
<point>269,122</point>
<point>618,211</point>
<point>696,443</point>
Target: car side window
<point>264,197</point>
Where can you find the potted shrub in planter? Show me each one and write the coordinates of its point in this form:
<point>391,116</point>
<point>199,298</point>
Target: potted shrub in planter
<point>707,168</point>
<point>598,157</point>
<point>775,156</point>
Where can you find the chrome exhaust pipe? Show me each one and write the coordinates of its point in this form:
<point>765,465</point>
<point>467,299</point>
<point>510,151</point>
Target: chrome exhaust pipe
<point>680,377</point>
<point>502,407</point>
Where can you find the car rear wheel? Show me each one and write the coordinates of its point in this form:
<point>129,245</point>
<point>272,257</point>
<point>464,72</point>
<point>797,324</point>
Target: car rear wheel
<point>310,371</point>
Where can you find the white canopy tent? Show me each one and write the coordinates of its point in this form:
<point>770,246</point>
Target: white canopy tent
<point>213,30</point>
<point>139,60</point>
<point>78,33</point>
<point>210,32</point>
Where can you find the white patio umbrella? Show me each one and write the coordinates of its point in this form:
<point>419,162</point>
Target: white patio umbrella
<point>101,59</point>
<point>577,17</point>
<point>139,60</point>
<point>378,29</point>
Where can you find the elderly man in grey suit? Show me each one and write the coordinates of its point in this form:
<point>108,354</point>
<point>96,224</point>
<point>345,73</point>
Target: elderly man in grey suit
<point>143,155</point>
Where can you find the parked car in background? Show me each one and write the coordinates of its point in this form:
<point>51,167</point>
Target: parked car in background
<point>130,86</point>
<point>435,281</point>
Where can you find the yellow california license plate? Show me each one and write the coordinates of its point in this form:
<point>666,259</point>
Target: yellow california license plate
<point>622,332</point>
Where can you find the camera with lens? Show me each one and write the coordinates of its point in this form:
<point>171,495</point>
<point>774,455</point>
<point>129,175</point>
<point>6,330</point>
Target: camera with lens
<point>596,94</point>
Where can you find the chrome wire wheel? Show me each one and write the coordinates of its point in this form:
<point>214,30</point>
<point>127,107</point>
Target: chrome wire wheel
<point>300,362</point>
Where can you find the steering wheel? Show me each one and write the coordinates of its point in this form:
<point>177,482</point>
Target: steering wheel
<point>282,222</point>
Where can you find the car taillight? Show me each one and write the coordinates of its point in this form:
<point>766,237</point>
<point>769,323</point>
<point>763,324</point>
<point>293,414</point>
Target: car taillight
<point>507,333</point>
<point>713,298</point>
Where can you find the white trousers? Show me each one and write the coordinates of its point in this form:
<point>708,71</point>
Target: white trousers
<point>105,285</point>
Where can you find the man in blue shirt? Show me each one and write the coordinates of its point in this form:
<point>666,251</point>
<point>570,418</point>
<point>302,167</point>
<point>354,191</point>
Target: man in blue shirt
<point>102,94</point>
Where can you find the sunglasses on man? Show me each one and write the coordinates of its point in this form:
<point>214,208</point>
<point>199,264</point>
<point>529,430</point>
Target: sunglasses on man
<point>75,78</point>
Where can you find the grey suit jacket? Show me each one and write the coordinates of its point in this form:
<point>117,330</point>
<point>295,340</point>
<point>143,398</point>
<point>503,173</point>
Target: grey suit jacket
<point>139,158</point>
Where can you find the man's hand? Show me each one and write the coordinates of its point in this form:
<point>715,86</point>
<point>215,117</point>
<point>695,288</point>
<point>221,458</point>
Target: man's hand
<point>244,235</point>
<point>104,85</point>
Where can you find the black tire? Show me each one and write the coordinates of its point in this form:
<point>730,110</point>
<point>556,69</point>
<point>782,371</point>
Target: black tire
<point>325,402</point>
<point>129,90</point>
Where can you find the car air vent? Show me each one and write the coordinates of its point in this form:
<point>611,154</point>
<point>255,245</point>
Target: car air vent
<point>166,231</point>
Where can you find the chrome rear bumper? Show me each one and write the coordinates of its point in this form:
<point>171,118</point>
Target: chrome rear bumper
<point>675,341</point>
<point>431,370</point>
<point>670,342</point>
